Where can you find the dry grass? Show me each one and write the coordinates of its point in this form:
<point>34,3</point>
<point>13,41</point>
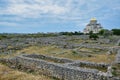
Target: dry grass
<point>100,58</point>
<point>116,70</point>
<point>68,53</point>
<point>75,40</point>
<point>9,74</point>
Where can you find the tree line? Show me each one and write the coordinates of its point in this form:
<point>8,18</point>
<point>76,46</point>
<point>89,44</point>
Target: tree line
<point>103,32</point>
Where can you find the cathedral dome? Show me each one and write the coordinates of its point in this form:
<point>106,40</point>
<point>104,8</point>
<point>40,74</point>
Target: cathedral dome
<point>93,19</point>
<point>93,26</point>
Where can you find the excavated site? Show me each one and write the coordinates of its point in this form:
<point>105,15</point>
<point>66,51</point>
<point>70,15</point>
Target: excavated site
<point>64,57</point>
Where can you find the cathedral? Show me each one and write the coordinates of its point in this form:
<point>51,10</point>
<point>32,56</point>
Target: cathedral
<point>92,26</point>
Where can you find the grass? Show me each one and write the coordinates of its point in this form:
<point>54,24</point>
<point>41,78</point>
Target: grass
<point>88,41</point>
<point>10,74</point>
<point>85,54</point>
<point>93,67</point>
<point>116,70</point>
<point>7,73</point>
<point>93,56</point>
<point>75,40</point>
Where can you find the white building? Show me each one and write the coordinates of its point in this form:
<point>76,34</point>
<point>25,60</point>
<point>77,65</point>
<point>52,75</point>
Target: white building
<point>92,26</point>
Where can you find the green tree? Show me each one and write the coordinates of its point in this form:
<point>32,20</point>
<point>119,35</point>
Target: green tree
<point>101,32</point>
<point>2,37</point>
<point>107,33</point>
<point>93,36</point>
<point>116,31</point>
<point>91,32</point>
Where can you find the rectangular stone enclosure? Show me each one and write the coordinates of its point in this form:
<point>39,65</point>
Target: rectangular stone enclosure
<point>62,68</point>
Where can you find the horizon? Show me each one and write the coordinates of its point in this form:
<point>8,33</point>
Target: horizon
<point>44,16</point>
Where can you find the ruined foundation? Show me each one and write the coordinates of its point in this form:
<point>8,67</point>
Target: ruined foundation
<point>62,68</point>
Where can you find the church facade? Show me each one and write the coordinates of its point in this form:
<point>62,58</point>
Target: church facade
<point>92,26</point>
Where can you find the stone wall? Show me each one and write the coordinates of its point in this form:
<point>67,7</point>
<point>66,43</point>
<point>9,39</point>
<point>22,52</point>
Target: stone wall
<point>118,57</point>
<point>91,64</point>
<point>95,46</point>
<point>49,58</point>
<point>69,70</point>
<point>8,46</point>
<point>118,43</point>
<point>113,50</point>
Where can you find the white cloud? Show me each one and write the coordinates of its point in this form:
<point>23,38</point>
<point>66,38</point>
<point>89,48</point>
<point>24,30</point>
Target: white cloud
<point>8,24</point>
<point>33,8</point>
<point>59,9</point>
<point>41,13</point>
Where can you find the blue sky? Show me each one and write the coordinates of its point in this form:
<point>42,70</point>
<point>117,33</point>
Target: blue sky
<point>31,16</point>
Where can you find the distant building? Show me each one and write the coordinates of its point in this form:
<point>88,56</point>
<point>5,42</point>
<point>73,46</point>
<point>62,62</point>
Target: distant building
<point>92,26</point>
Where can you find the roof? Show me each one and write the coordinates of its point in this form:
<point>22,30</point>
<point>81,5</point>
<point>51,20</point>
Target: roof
<point>93,19</point>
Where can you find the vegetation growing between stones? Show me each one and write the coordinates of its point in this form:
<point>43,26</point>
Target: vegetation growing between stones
<point>71,46</point>
<point>103,69</point>
<point>7,73</point>
<point>79,54</point>
<point>116,69</point>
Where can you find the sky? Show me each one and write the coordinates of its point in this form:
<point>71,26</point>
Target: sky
<point>32,16</point>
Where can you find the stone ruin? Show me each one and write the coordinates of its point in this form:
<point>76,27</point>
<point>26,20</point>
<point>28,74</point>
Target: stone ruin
<point>61,68</point>
<point>118,57</point>
<point>9,46</point>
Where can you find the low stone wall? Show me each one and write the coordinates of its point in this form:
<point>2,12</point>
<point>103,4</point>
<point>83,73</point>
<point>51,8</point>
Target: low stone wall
<point>118,43</point>
<point>69,70</point>
<point>104,41</point>
<point>114,50</point>
<point>118,57</point>
<point>91,64</point>
<point>95,46</point>
<point>49,58</point>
